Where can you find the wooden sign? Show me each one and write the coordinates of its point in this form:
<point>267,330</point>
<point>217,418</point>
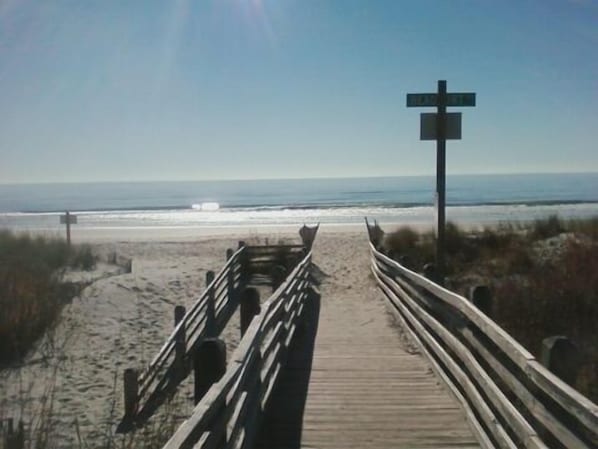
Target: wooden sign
<point>429,126</point>
<point>68,219</point>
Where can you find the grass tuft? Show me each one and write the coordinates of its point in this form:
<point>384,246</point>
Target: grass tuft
<point>32,292</point>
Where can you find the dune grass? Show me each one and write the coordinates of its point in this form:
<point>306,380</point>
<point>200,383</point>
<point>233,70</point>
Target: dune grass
<point>32,291</point>
<point>544,277</point>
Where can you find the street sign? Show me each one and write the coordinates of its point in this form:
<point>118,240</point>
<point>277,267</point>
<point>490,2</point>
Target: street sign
<point>421,100</point>
<point>461,99</point>
<point>456,99</point>
<point>440,127</point>
<point>429,126</point>
<point>72,219</point>
<point>68,219</point>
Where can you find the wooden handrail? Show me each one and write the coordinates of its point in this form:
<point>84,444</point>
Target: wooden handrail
<point>230,411</point>
<point>156,381</point>
<point>513,399</point>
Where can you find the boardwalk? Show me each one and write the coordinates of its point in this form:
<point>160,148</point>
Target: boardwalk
<point>365,385</point>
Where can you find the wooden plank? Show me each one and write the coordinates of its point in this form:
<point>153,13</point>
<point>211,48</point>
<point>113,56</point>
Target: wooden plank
<point>580,407</point>
<point>475,399</point>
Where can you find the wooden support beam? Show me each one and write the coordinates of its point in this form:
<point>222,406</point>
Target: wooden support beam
<point>481,297</point>
<point>131,390</point>
<point>180,342</point>
<point>561,357</point>
<point>209,365</point>
<point>250,307</point>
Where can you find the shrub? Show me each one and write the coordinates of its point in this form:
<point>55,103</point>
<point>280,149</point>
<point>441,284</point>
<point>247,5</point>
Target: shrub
<point>546,228</point>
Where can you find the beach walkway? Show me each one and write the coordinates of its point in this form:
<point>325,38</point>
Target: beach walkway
<point>364,384</point>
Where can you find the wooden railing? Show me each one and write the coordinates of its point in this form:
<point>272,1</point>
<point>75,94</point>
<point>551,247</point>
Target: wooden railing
<point>228,415</point>
<point>511,400</point>
<point>146,391</point>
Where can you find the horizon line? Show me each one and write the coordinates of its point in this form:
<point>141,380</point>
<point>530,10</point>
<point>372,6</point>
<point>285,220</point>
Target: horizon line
<point>308,178</point>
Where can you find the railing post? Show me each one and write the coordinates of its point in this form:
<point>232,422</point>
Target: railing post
<point>211,307</point>
<point>481,297</point>
<point>430,271</point>
<point>250,306</point>
<point>278,276</point>
<point>180,342</point>
<point>243,260</point>
<point>209,365</point>
<point>230,277</point>
<point>561,357</point>
<point>12,439</point>
<point>131,387</point>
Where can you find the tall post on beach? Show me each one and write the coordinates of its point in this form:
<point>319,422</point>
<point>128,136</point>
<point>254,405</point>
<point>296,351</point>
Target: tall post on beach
<point>440,127</point>
<point>440,180</point>
<point>68,219</point>
<point>211,306</point>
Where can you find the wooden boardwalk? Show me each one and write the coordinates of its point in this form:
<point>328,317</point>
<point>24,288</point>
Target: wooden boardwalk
<point>362,386</point>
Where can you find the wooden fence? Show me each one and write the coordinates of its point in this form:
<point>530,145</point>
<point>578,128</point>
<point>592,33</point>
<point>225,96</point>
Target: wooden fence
<point>146,391</point>
<point>229,413</point>
<point>511,400</point>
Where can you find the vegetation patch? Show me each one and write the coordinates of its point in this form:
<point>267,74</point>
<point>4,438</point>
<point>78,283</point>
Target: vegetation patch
<point>32,290</point>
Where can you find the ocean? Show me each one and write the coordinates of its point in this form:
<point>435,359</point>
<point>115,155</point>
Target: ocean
<point>408,200</point>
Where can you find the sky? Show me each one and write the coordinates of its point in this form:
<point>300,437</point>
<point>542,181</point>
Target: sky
<point>142,90</point>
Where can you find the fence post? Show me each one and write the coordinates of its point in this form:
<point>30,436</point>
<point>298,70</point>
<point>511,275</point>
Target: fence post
<point>180,342</point>
<point>244,261</point>
<point>430,271</point>
<point>10,438</point>
<point>209,365</point>
<point>561,357</point>
<point>230,276</point>
<point>481,297</point>
<point>250,306</point>
<point>211,307</point>
<point>278,276</point>
<point>131,384</point>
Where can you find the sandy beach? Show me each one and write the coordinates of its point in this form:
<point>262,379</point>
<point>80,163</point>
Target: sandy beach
<point>75,374</point>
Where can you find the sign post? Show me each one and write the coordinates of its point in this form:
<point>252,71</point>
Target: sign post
<point>447,126</point>
<point>68,219</point>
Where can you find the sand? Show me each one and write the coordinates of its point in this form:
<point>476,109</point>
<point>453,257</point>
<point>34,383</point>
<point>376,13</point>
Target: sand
<point>74,375</point>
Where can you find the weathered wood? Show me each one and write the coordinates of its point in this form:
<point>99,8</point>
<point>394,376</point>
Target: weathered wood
<point>481,297</point>
<point>528,400</point>
<point>131,393</point>
<point>475,398</point>
<point>308,235</point>
<point>12,438</point>
<point>180,344</point>
<point>579,432</point>
<point>211,309</point>
<point>250,307</point>
<point>430,271</point>
<point>236,397</point>
<point>209,365</point>
<point>561,357</point>
<point>278,274</point>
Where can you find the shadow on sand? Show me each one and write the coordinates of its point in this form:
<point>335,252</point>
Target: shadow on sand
<point>283,419</point>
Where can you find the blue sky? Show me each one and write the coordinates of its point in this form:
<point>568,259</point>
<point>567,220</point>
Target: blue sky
<point>240,89</point>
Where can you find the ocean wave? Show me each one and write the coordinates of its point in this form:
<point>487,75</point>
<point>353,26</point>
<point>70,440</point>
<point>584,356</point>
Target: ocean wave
<point>212,206</point>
